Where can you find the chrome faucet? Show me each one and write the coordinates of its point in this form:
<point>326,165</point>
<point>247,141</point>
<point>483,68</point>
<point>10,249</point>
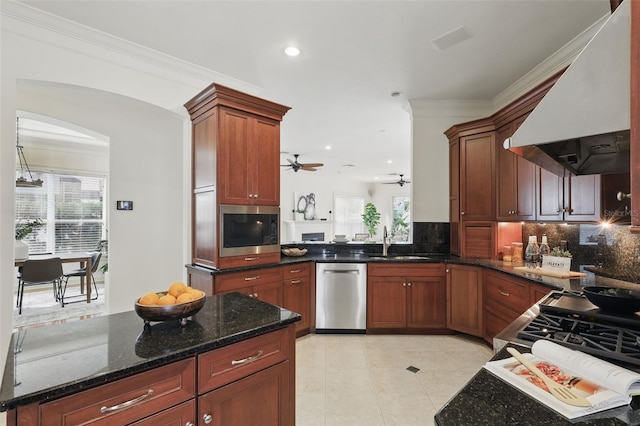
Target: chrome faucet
<point>385,241</point>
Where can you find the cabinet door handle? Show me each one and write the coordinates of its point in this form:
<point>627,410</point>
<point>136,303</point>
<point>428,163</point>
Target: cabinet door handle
<point>296,281</point>
<point>247,359</point>
<point>252,278</point>
<point>462,213</point>
<point>295,271</point>
<point>503,293</point>
<point>408,284</point>
<point>404,284</point>
<point>249,259</point>
<point>207,419</point>
<point>127,403</point>
<point>189,424</point>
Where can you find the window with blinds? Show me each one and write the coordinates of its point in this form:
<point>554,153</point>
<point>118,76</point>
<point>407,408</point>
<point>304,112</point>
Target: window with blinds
<point>348,210</point>
<point>71,208</point>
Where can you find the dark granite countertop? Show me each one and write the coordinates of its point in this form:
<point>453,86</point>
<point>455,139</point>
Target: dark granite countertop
<point>488,400</point>
<point>55,360</point>
<point>368,253</point>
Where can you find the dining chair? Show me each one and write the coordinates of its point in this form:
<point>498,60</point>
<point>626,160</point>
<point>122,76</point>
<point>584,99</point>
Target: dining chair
<point>82,272</point>
<point>41,271</point>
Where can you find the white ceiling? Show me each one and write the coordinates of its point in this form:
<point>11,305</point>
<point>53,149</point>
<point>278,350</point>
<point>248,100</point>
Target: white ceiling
<point>354,55</point>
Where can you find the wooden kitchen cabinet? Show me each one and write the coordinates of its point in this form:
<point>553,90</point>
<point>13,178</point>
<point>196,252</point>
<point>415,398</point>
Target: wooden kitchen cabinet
<point>635,116</point>
<point>249,383</point>
<point>464,299</point>
<point>406,296</point>
<point>616,210</point>
<point>472,201</point>
<point>297,293</point>
<point>248,159</point>
<point>235,160</point>
<point>516,180</point>
<point>569,199</point>
<point>145,394</point>
<point>505,299</point>
<point>477,177</point>
<point>183,414</point>
<point>264,284</point>
<point>259,399</point>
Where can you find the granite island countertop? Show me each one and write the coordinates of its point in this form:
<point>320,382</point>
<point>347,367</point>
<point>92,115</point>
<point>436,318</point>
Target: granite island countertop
<point>51,361</point>
<point>488,400</point>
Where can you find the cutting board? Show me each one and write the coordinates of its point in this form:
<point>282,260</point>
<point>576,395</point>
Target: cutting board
<point>570,274</point>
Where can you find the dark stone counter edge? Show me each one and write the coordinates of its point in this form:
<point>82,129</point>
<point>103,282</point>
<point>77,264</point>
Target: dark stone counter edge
<point>85,384</point>
<point>430,258</point>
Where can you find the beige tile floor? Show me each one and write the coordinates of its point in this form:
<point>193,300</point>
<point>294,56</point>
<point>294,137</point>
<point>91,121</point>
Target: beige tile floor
<point>351,380</point>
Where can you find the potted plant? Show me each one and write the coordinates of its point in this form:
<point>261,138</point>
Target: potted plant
<point>371,218</point>
<point>24,228</point>
<point>557,260</point>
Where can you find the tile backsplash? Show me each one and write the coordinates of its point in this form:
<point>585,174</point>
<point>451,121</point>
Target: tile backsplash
<point>618,250</point>
<point>431,237</point>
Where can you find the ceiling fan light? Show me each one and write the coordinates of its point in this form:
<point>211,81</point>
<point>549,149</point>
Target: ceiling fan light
<point>22,181</point>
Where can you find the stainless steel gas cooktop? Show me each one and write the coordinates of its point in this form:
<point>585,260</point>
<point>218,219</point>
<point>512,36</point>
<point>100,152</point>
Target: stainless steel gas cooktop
<point>571,320</point>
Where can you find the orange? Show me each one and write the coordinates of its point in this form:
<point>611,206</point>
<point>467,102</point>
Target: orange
<point>149,299</point>
<point>167,299</point>
<point>177,288</point>
<point>197,294</point>
<point>185,297</point>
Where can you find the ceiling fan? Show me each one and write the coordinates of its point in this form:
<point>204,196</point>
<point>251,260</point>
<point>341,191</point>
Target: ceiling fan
<point>295,165</point>
<point>400,182</point>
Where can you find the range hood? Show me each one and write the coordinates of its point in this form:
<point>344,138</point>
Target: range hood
<point>581,126</point>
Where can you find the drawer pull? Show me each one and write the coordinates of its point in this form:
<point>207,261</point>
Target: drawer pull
<point>252,278</point>
<point>503,293</point>
<point>207,418</point>
<point>249,259</point>
<point>128,403</point>
<point>295,271</point>
<point>296,281</point>
<point>247,359</point>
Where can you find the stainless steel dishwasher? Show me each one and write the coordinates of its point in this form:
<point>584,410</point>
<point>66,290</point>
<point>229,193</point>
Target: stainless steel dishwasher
<point>341,297</point>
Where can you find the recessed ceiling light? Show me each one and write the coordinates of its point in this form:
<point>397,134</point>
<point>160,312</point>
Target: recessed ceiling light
<point>328,147</point>
<point>389,161</point>
<point>291,51</point>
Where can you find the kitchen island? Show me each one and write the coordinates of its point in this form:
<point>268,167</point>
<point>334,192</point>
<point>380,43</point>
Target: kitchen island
<point>114,369</point>
<point>488,400</point>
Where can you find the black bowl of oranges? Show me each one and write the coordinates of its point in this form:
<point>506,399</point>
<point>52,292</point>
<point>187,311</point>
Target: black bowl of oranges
<point>177,303</point>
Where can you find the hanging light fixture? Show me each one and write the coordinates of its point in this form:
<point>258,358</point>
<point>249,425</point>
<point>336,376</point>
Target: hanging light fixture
<point>22,181</point>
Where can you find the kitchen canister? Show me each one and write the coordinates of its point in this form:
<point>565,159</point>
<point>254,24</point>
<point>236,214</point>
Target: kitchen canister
<point>517,252</point>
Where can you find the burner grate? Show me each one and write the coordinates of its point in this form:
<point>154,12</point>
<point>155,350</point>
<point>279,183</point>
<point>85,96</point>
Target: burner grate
<point>604,340</point>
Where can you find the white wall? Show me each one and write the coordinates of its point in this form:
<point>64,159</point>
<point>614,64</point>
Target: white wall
<point>149,149</point>
<point>145,166</point>
<point>322,185</point>
<point>430,164</point>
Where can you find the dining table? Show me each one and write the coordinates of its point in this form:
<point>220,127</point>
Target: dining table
<point>84,258</point>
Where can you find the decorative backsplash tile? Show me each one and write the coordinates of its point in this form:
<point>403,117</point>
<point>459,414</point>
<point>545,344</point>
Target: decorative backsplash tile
<point>431,237</point>
<point>614,247</point>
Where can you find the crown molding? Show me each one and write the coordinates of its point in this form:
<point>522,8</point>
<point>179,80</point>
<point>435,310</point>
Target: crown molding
<point>27,21</point>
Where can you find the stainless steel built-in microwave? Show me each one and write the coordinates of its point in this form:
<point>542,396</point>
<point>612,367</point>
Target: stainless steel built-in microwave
<point>249,230</point>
